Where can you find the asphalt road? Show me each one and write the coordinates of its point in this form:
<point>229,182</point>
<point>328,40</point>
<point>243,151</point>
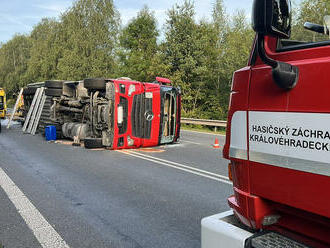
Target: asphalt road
<point>100,198</point>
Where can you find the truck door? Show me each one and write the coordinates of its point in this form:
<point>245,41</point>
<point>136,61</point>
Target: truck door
<point>289,130</point>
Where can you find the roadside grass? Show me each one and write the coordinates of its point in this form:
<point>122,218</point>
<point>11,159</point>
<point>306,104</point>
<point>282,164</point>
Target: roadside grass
<point>200,128</point>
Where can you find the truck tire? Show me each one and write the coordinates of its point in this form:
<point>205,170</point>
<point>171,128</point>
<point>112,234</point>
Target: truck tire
<point>29,91</point>
<point>94,83</point>
<point>91,143</point>
<point>53,92</point>
<point>124,78</point>
<point>54,84</point>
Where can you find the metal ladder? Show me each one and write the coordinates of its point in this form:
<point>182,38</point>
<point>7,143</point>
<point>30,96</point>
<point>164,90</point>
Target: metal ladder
<point>33,116</point>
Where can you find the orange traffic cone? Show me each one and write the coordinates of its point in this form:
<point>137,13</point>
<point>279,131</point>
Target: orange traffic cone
<point>216,143</point>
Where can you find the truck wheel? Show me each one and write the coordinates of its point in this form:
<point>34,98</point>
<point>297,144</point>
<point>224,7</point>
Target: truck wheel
<point>94,83</point>
<point>55,84</point>
<point>53,92</point>
<point>91,143</point>
<point>29,91</point>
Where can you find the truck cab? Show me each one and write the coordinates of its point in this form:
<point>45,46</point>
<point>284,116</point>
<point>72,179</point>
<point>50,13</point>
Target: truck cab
<point>278,140</point>
<point>145,114</point>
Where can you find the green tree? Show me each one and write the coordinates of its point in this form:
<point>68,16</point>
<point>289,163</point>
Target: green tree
<point>238,44</point>
<point>14,56</point>
<point>227,46</point>
<point>220,21</point>
<point>45,51</point>
<point>88,36</point>
<point>84,42</point>
<point>217,82</point>
<point>139,50</point>
<point>181,54</point>
<point>235,54</point>
<point>207,70</point>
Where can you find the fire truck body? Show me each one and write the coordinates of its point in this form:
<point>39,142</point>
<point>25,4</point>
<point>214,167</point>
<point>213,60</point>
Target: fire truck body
<point>278,144</point>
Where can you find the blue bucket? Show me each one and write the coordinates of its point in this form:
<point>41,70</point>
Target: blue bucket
<point>50,133</point>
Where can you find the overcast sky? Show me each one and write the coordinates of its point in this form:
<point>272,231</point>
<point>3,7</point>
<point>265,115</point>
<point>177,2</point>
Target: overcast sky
<point>19,16</point>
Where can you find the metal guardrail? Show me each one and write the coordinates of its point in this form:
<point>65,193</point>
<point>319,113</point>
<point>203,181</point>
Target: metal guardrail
<point>203,122</point>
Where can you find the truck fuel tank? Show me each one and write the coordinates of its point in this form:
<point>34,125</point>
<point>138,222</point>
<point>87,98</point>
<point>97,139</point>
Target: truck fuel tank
<point>74,129</point>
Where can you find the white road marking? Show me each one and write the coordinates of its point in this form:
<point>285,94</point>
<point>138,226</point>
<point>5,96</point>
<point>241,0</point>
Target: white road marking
<point>173,145</point>
<point>179,166</point>
<point>191,142</point>
<point>182,165</point>
<point>42,230</point>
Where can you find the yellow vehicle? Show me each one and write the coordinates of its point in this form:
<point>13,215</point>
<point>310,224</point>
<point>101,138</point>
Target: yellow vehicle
<point>3,105</point>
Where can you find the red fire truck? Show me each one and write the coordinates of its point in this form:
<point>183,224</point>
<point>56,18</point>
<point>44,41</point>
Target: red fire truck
<point>278,140</point>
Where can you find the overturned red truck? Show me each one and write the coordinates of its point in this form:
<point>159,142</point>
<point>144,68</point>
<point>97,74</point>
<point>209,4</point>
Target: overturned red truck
<point>278,140</point>
<point>113,113</point>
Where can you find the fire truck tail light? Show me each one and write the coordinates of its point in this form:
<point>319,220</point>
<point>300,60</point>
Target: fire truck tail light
<point>270,219</point>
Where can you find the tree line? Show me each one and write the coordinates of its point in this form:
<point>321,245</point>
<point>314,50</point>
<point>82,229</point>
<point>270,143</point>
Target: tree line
<point>87,41</point>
